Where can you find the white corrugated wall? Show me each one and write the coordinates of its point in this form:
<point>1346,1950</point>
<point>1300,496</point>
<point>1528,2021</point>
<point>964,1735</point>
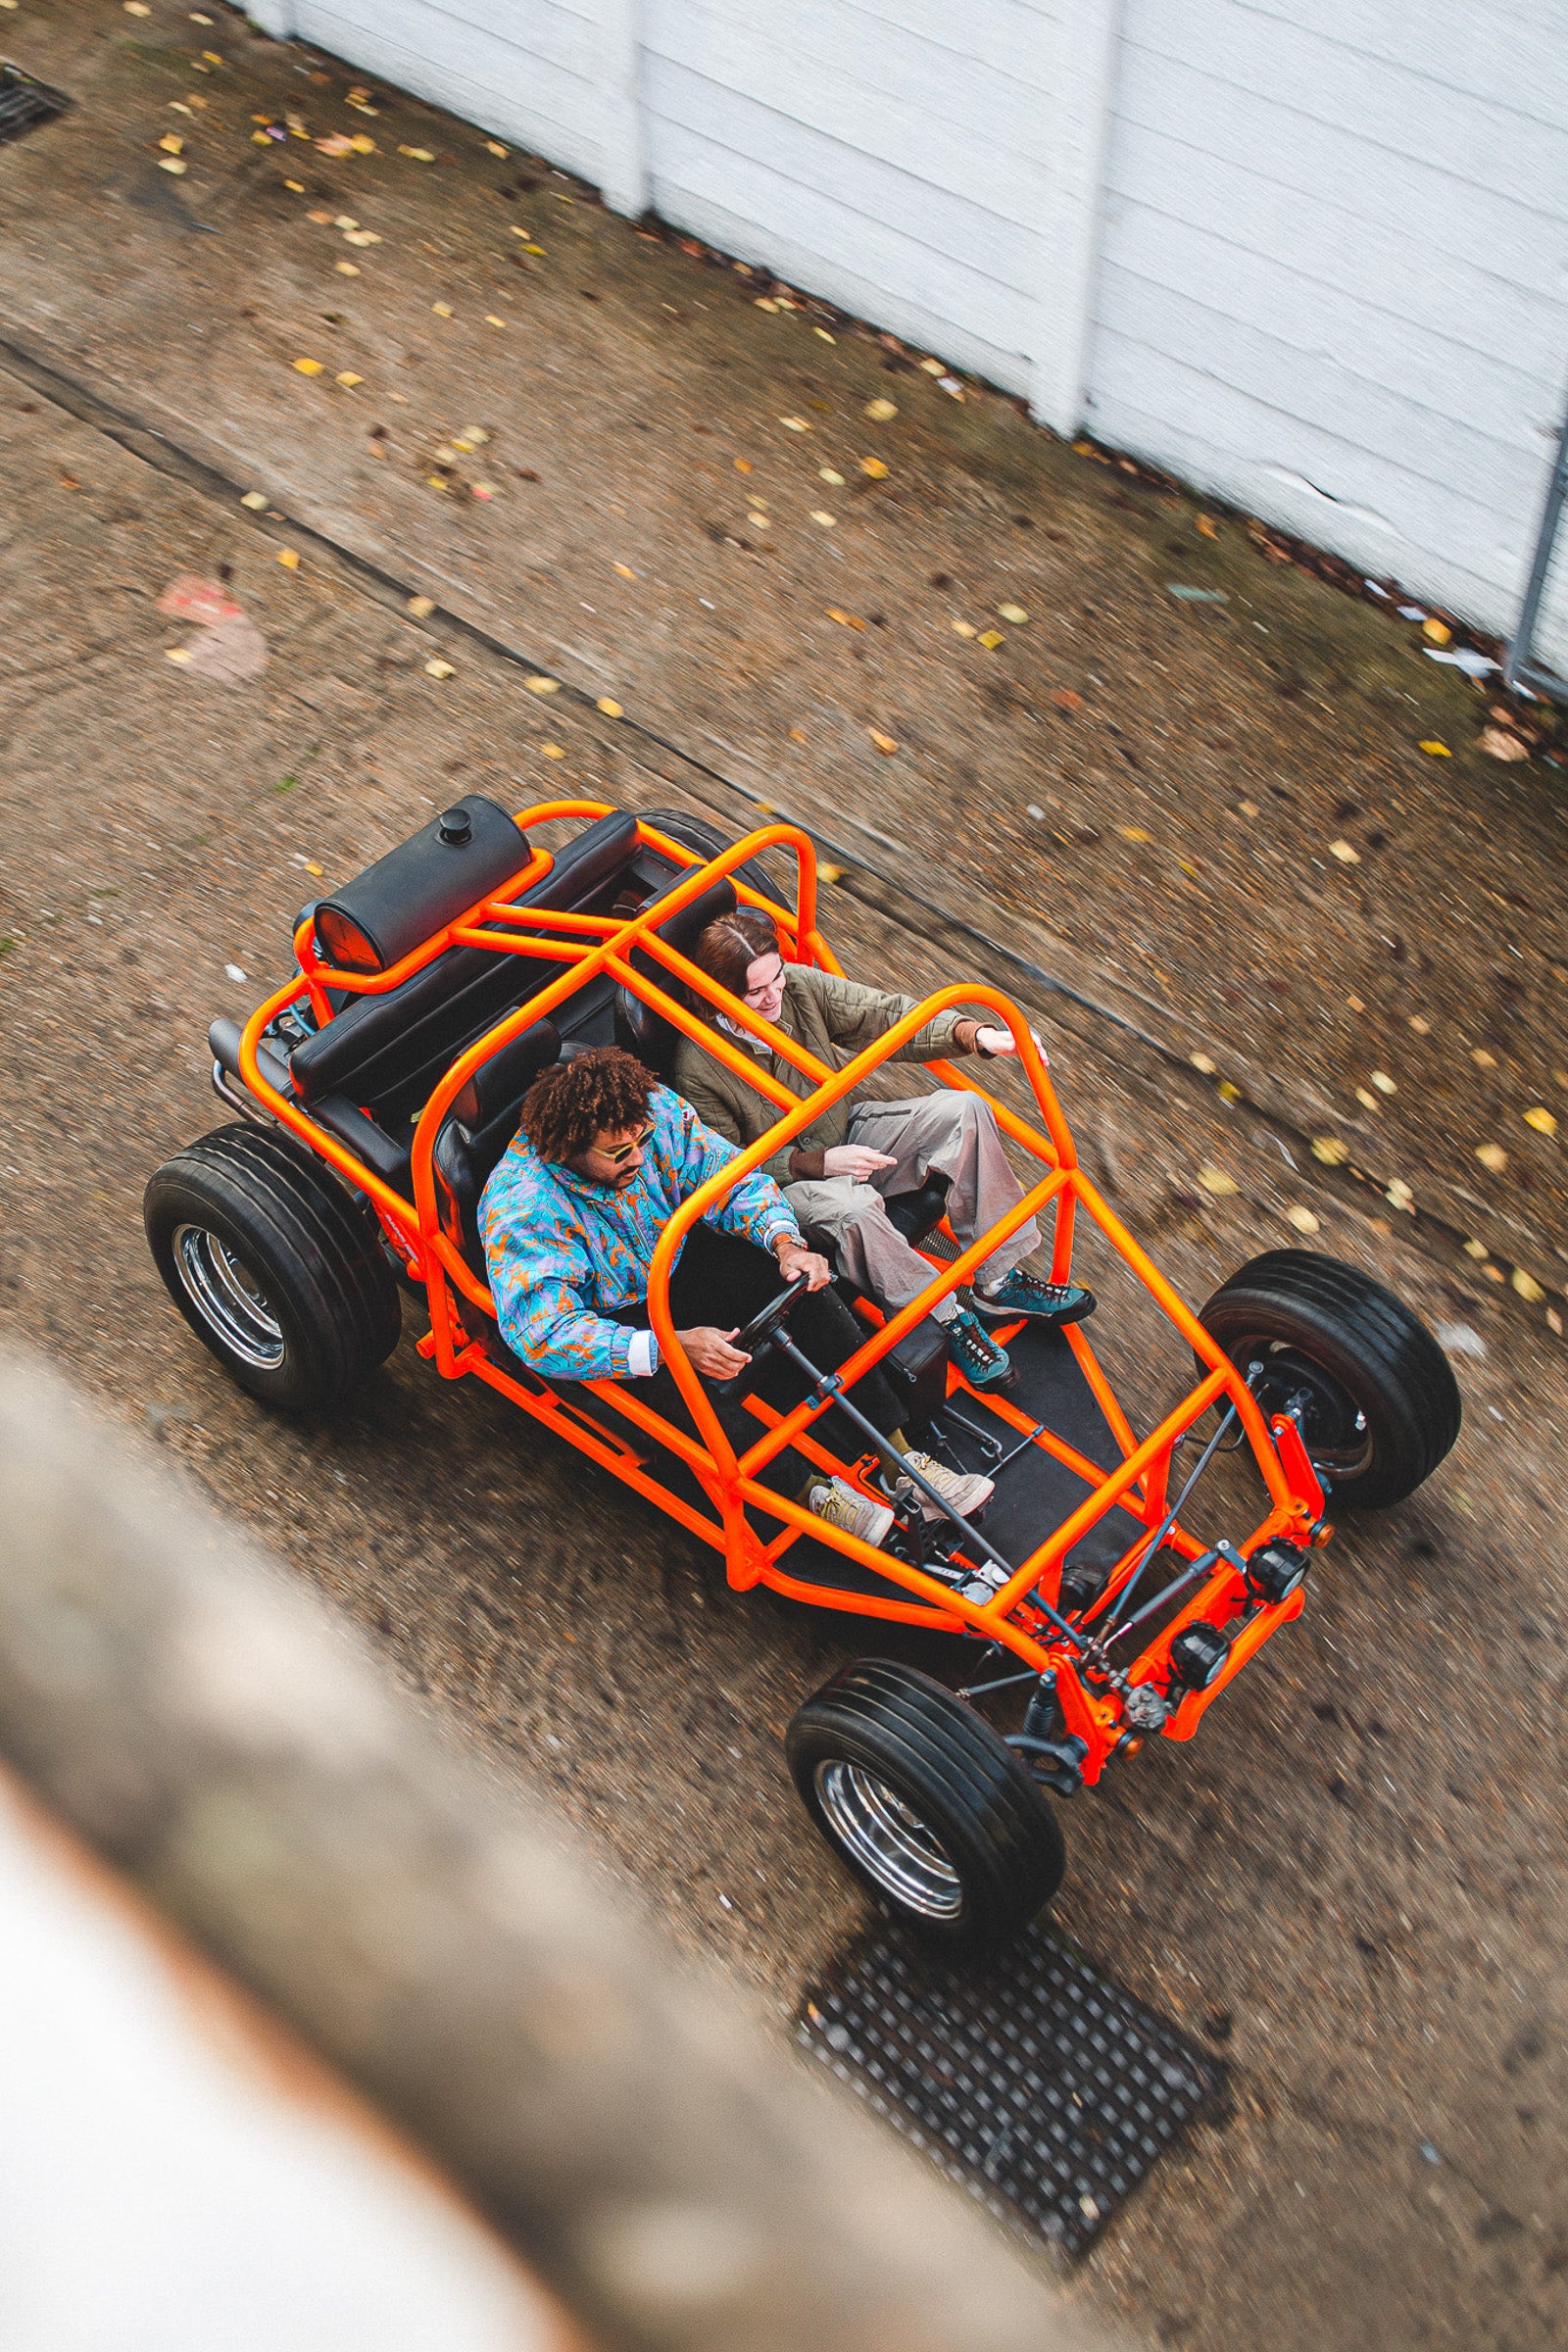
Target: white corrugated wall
<point>1311,255</point>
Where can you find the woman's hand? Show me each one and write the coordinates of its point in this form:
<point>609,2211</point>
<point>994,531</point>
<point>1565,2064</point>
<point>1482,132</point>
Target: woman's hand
<point>1001,1040</point>
<point>856,1161</point>
<point>710,1351</point>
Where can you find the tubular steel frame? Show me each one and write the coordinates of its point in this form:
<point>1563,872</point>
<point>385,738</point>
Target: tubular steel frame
<point>424,1232</point>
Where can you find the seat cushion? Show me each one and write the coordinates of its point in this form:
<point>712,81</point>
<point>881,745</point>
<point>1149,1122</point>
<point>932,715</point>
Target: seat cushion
<point>638,1027</point>
<point>388,1051</point>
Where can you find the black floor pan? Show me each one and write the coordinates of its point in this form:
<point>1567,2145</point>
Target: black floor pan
<point>1036,1493</point>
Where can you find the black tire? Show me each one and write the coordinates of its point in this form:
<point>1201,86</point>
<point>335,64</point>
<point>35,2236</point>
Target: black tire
<point>695,833</point>
<point>983,1852</point>
<point>273,1267</point>
<point>1383,1405</point>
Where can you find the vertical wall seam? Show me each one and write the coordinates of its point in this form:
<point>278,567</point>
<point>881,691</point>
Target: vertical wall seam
<point>1082,51</point>
<point>624,183</point>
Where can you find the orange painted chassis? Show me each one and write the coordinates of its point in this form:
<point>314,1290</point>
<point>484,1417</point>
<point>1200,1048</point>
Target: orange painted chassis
<point>586,945</point>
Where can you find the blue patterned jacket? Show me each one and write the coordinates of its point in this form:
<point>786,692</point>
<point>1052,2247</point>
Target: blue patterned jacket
<point>563,1251</point>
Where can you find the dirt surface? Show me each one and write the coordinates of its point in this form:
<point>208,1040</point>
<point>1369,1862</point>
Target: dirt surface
<point>1352,1883</point>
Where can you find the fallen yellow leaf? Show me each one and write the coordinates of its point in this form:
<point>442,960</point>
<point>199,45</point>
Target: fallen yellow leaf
<point>1482,1058</point>
<point>875,468</point>
<point>543,685</point>
<point>552,751</point>
<point>821,516</point>
<point>826,474</point>
<point>1475,1249</point>
<point>610,707</point>
<point>539,250</point>
<point>347,269</point>
<point>797,735</point>
<point>1400,1194</point>
<point>794,425</point>
<point>362,145</point>
<point>822,331</point>
<point>311,868</point>
<point>1436,633</point>
<point>1367,1100</point>
<point>297,186</point>
<point>1214,1180</point>
<point>1330,1150</point>
<point>963,628</point>
<point>625,571</point>
<point>880,411</point>
<point>1302,1218</point>
<point>173,162</point>
<point>764,304</point>
<point>136,8</point>
<point>176,652</point>
<point>1227,1092</point>
<point>1342,850</point>
<point>289,557</point>
<point>435,481</point>
<point>1208,529</point>
<point>990,639</point>
<point>743,464</point>
<point>308,366</point>
<point>172,143</point>
<point>933,368</point>
<point>494,147</point>
<point>421,607</point>
<point>361,236</point>
<point>1528,1288</point>
<point>1204,1062</point>
<point>442,310</point>
<point>253,499</point>
<point>1436,750</point>
<point>491,319</point>
<point>1014,613</point>
<point>845,620</point>
<point>348,379</point>
<point>1128,832</point>
<point>439,670</point>
<point>885,744</point>
<point>830,873</point>
<point>1541,1119</point>
<point>1384,1083</point>
<point>1492,1157</point>
<point>417,155</point>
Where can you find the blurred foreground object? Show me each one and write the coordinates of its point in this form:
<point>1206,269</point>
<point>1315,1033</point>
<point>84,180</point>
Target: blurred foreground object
<point>223,1741</point>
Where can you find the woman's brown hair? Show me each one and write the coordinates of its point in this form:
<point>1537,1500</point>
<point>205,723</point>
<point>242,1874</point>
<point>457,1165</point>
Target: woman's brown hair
<point>727,949</point>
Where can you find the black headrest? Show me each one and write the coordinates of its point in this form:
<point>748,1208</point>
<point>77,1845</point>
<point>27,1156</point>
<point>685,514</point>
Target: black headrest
<point>507,1076</point>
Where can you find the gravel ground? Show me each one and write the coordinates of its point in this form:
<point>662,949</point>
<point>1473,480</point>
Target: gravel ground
<point>1352,1883</point>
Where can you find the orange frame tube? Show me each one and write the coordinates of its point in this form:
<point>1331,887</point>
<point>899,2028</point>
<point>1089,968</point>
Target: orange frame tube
<point>587,944</point>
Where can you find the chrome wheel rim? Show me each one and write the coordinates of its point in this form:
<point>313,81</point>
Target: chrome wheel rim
<point>882,1833</point>
<point>228,1297</point>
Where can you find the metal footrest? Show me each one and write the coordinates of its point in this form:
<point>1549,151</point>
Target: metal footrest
<point>1049,2091</point>
<point>25,103</point>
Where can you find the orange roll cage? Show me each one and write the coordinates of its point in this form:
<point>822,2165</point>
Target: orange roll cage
<point>626,1442</point>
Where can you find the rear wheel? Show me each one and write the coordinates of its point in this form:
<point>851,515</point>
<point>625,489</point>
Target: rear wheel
<point>1378,1400</point>
<point>275,1268</point>
<point>695,833</point>
<point>926,1805</point>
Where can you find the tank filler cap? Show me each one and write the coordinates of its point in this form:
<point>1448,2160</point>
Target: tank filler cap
<point>455,825</point>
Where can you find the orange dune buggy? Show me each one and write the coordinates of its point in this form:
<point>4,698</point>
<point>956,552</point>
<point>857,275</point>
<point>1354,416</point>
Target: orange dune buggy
<point>380,1085</point>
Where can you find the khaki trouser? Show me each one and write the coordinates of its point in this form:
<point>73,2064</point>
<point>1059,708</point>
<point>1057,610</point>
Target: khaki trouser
<point>951,1134</point>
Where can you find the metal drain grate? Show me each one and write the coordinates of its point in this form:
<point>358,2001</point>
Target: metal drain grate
<point>1047,2090</point>
<point>25,103</point>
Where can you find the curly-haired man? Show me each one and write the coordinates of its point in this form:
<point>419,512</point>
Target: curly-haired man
<point>570,1220</point>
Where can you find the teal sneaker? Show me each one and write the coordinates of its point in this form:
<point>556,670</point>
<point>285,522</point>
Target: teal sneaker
<point>982,1362</point>
<point>1021,1293</point>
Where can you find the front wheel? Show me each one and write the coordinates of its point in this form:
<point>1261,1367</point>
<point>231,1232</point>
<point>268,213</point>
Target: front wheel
<point>1378,1402</point>
<point>927,1805</point>
<point>279,1273</point>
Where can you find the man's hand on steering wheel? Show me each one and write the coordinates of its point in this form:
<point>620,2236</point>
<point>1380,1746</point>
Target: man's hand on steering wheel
<point>709,1351</point>
<point>795,1260</point>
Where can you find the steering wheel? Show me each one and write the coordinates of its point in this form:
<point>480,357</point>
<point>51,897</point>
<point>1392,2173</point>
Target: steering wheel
<point>753,1338</point>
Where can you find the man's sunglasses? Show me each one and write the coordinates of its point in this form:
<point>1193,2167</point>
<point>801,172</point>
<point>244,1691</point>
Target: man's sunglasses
<point>623,1151</point>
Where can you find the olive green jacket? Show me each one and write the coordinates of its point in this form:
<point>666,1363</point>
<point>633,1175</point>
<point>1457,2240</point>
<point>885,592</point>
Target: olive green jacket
<point>835,1019</point>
